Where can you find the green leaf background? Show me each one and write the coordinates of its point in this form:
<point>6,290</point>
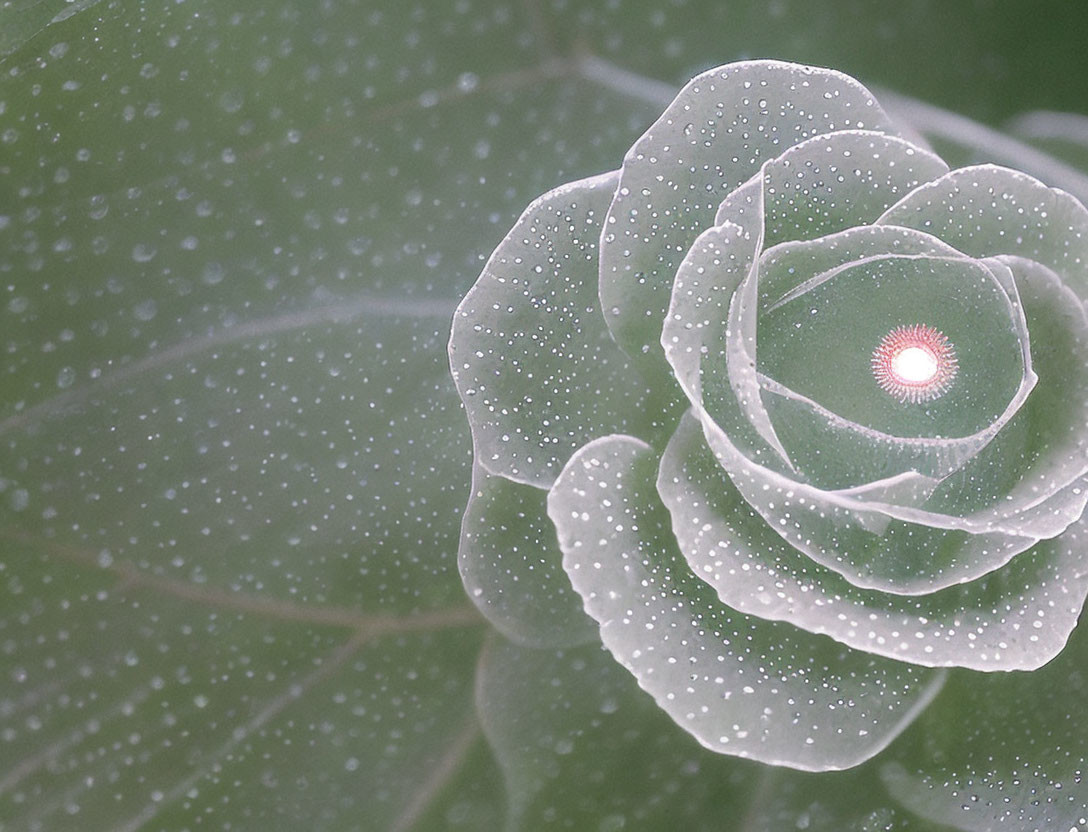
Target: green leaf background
<point>233,465</point>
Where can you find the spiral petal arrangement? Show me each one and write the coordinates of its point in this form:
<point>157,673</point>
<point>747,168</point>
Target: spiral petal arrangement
<point>807,411</point>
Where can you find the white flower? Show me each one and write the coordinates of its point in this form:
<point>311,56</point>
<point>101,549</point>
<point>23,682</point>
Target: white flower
<point>810,409</point>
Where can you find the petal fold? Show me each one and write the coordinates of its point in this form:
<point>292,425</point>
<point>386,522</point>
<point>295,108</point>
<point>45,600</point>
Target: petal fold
<point>1022,487</point>
<point>511,567</point>
<point>1017,618</point>
<point>840,180</point>
<point>529,350</point>
<point>740,685</point>
<point>988,210</point>
<point>1001,751</point>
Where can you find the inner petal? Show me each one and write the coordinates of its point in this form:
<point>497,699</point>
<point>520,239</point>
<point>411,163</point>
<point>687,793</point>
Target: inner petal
<point>938,334</point>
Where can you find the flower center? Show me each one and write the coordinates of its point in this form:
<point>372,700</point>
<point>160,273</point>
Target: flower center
<point>914,363</point>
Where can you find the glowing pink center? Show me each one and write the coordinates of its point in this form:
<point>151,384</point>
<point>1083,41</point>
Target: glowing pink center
<point>914,363</point>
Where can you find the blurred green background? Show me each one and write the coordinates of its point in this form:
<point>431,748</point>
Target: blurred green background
<point>232,465</point>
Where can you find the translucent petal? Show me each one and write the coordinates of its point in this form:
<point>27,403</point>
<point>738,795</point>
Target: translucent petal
<point>738,363</point>
<point>856,534</point>
<point>715,266</point>
<point>809,177</point>
<point>744,206</point>
<point>530,354</point>
<point>699,308</point>
<point>717,263</point>
<point>1017,618</point>
<point>581,747</point>
<point>1001,751</point>
<point>694,340</point>
<point>840,180</point>
<point>512,569</point>
<point>816,346</point>
<point>923,549</point>
<point>1024,478</point>
<point>783,268</point>
<point>988,210</point>
<point>722,126</point>
<point>740,685</point>
<point>854,531</point>
<point>819,342</point>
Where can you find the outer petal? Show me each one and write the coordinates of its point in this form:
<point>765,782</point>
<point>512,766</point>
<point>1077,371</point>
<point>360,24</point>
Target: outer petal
<point>1002,751</point>
<point>740,685</point>
<point>989,210</point>
<point>840,180</point>
<point>580,746</point>
<point>722,126</point>
<point>530,354</point>
<point>512,567</point>
<point>1018,618</point>
<point>709,333</point>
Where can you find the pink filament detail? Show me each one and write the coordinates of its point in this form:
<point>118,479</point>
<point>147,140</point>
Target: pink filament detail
<point>933,344</point>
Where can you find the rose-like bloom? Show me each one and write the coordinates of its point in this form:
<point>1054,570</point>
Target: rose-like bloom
<point>809,412</point>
